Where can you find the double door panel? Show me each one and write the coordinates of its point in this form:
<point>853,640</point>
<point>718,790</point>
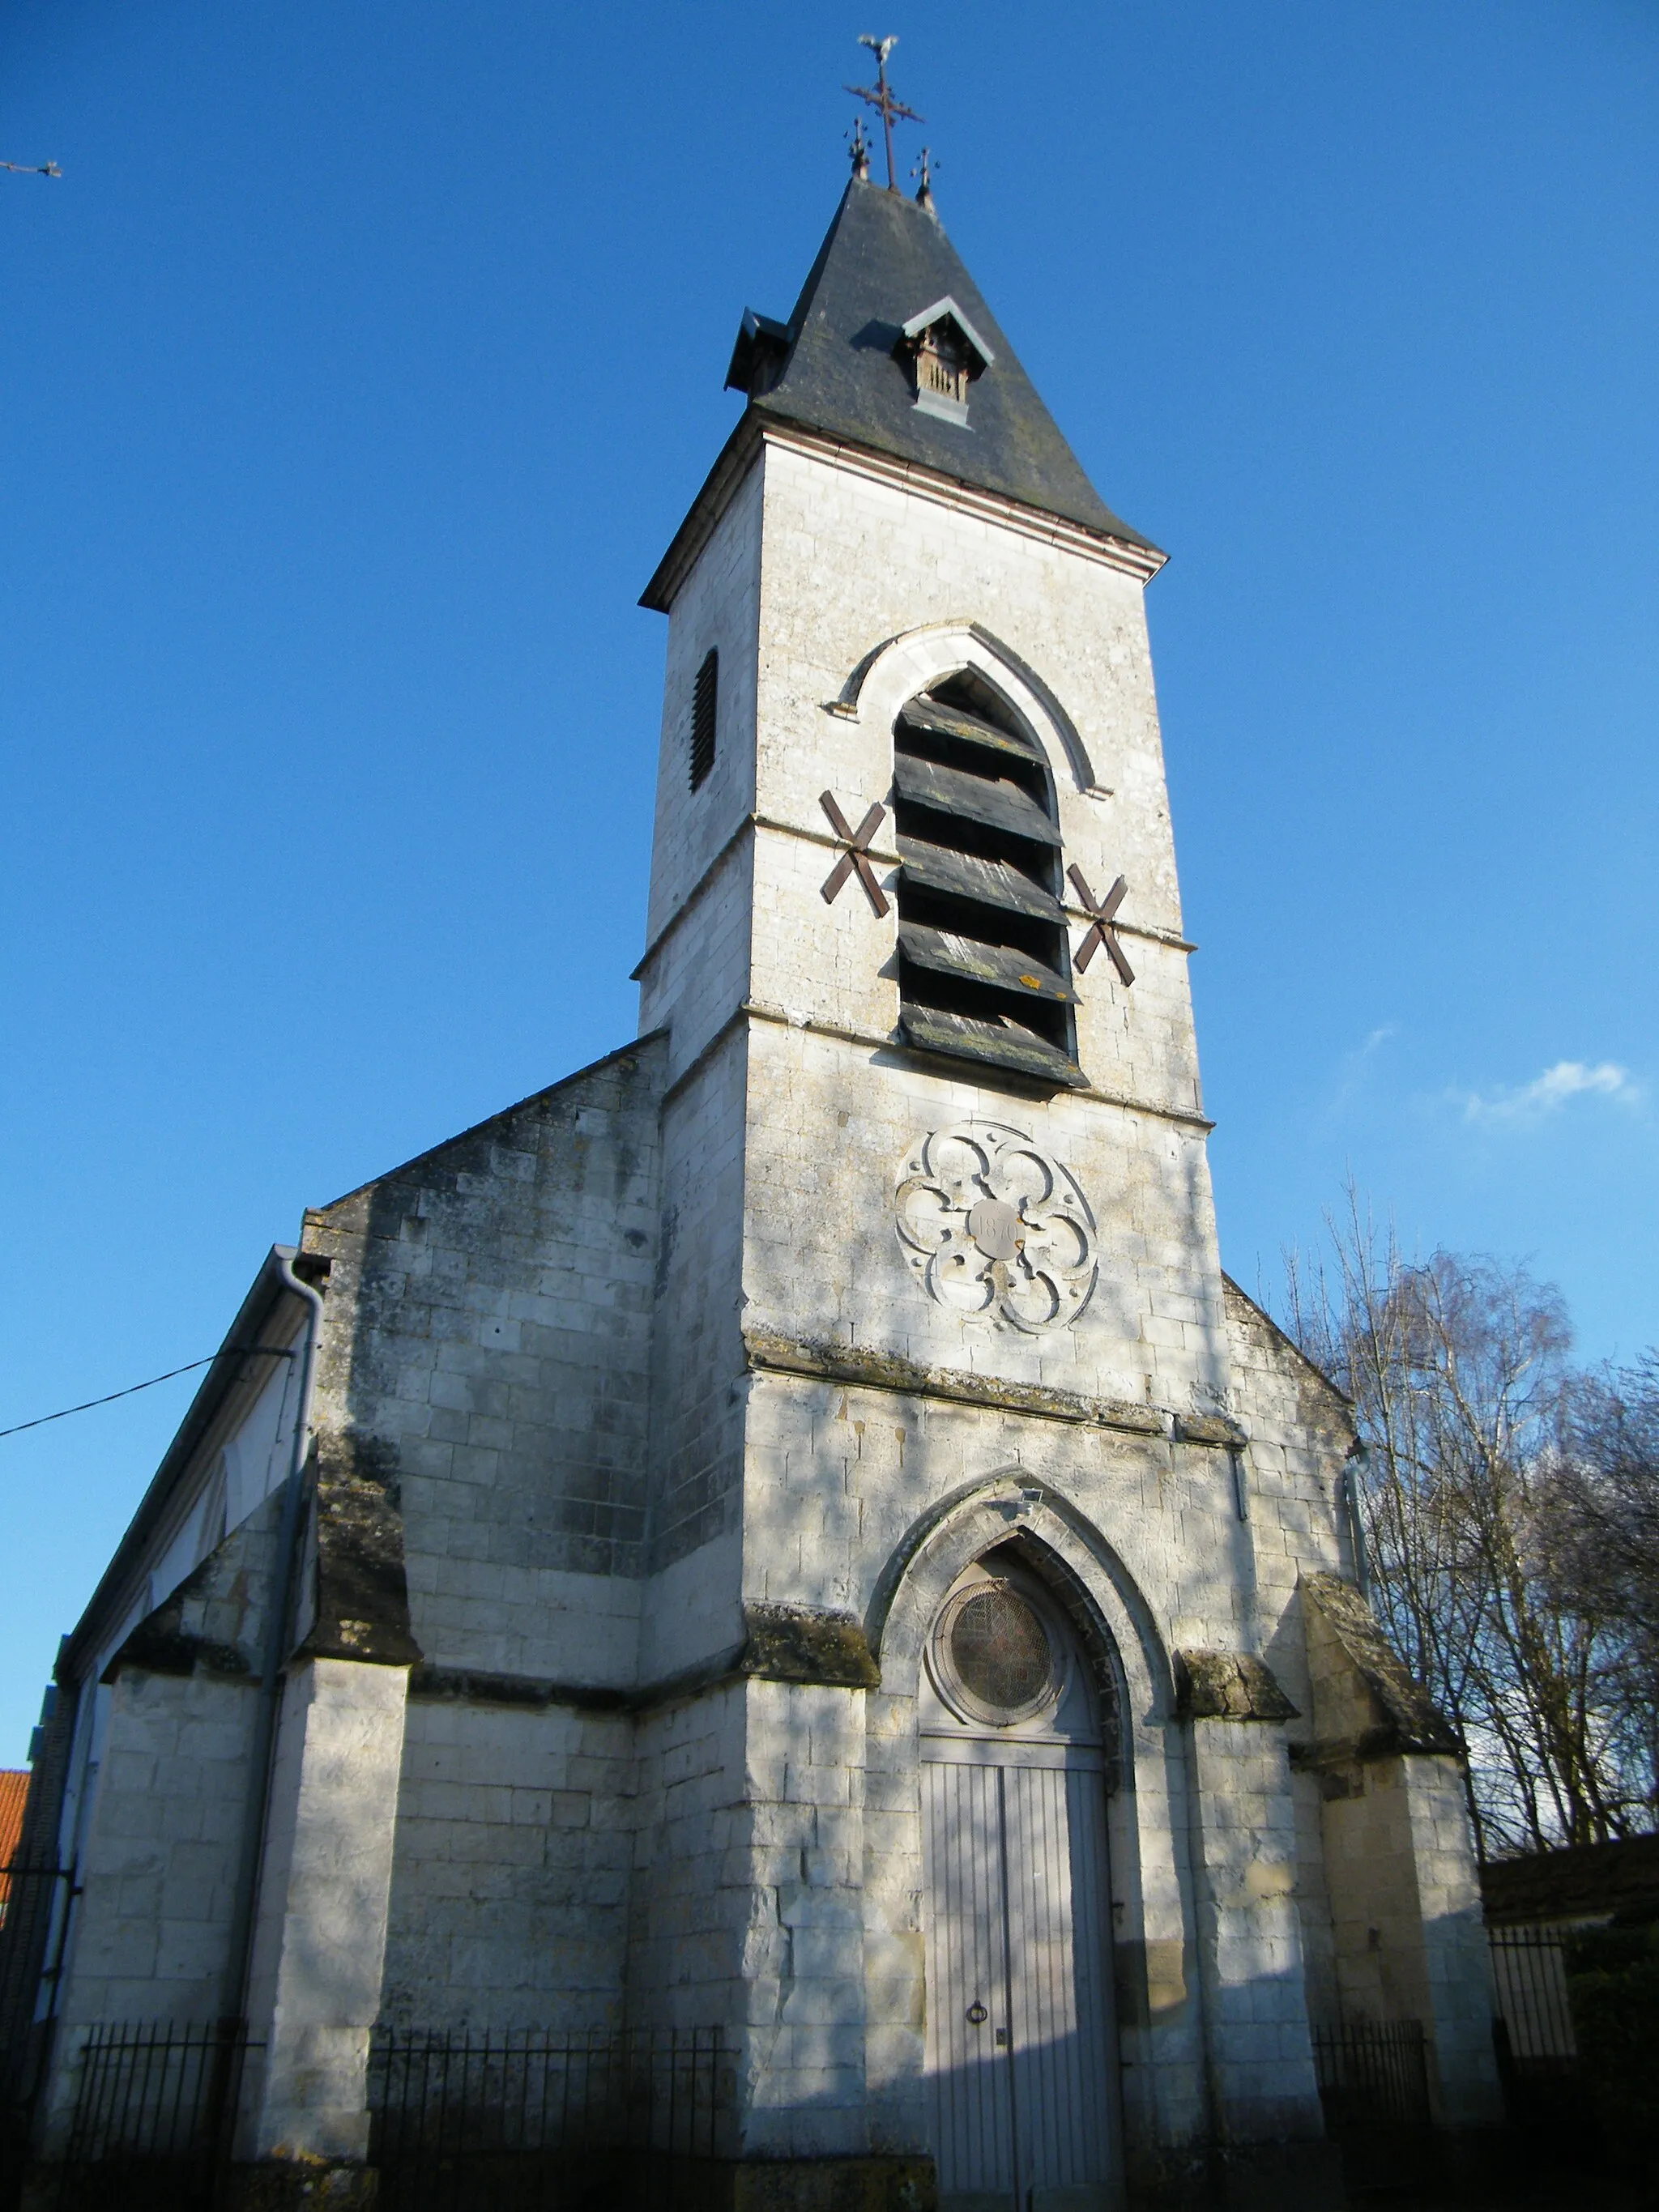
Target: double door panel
<point>1020,2049</point>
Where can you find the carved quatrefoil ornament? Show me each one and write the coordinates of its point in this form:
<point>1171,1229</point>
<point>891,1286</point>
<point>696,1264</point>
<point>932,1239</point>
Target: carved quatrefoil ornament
<point>996,1229</point>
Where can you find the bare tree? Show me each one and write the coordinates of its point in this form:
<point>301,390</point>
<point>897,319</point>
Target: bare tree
<point>1456,1366</point>
<point>1601,1529</point>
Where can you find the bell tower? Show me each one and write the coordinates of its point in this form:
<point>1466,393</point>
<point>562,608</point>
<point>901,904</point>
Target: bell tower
<point>940,1261</point>
<point>913,880</point>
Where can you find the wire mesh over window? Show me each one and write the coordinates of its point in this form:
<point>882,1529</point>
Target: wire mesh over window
<point>704,698</point>
<point>1000,1650</point>
<point>992,1657</point>
<point>984,968</point>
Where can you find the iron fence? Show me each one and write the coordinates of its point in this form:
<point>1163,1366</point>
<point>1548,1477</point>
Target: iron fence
<point>532,2120</point>
<point>154,2106</point>
<point>33,1896</point>
<point>1544,2088</point>
<point>1373,2077</point>
<point>1529,1980</point>
<point>30,1891</point>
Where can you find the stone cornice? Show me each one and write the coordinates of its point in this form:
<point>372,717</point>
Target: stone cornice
<point>767,1351</point>
<point>737,457</point>
<point>797,1643</point>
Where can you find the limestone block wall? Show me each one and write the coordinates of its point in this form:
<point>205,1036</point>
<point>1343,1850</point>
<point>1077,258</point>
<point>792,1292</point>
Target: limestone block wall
<point>487,1350</point>
<point>832,1125</point>
<point>901,589</point>
<point>320,1924</point>
<point>801,1863</point>
<point>159,1863</point>
<point>842,1478</point>
<point>1301,1430</point>
<point>163,1790</point>
<point>696,1404</point>
<point>509,1889</point>
<point>1371,1874</point>
<point>1248,1934</point>
<point>748,1902</point>
<point>699,921</point>
<point>853,562</point>
<point>895,1978</point>
<point>689,1913</point>
<point>1457,1956</point>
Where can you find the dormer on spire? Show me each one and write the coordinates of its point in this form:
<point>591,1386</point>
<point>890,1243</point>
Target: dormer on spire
<point>944,355</point>
<point>758,356</point>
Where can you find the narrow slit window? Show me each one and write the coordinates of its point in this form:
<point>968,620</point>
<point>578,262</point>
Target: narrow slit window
<point>984,962</point>
<point>703,702</point>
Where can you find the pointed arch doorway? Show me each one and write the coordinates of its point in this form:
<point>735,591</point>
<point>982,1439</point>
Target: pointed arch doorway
<point>1021,2053</point>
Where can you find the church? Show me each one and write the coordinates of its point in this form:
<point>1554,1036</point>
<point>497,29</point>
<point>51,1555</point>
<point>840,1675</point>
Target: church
<point>789,1537</point>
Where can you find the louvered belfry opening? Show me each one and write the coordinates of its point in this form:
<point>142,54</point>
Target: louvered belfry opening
<point>703,701</point>
<point>984,967</point>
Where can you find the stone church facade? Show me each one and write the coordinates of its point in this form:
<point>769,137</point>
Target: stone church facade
<point>791,1530</point>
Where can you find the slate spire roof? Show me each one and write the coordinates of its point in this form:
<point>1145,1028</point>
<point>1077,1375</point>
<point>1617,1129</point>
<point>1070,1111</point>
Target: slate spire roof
<point>836,365</point>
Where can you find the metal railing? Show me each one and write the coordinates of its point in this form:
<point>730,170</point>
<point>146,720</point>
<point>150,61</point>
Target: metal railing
<point>1544,2088</point>
<point>154,2106</point>
<point>1373,2077</point>
<point>533,2120</point>
<point>33,1896</point>
<point>1529,1980</point>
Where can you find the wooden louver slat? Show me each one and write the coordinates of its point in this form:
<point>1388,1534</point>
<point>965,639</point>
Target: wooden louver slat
<point>965,876</point>
<point>1000,965</point>
<point>998,805</point>
<point>927,714</point>
<point>1004,1044</point>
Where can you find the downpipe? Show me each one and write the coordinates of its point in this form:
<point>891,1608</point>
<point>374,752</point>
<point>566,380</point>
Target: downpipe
<point>272,1676</point>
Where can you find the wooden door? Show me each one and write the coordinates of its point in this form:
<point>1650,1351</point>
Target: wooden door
<point>1019,2048</point>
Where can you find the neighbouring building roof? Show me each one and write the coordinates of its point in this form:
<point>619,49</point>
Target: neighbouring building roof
<point>835,366</point>
<point>14,1788</point>
<point>1582,1882</point>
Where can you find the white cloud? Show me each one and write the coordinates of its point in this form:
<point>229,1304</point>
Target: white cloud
<point>1549,1092</point>
<point>1353,1069</point>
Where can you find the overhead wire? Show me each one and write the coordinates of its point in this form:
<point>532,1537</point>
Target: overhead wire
<point>225,1352</point>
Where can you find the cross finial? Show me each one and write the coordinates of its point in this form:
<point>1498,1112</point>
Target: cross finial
<point>882,98</point>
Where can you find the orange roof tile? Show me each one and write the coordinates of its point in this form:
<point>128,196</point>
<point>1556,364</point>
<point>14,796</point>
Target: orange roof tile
<point>14,1788</point>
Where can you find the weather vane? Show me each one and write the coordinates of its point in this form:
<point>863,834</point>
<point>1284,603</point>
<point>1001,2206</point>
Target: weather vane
<point>35,169</point>
<point>882,99</point>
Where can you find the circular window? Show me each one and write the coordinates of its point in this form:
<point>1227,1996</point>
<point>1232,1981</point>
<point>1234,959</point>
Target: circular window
<point>992,1656</point>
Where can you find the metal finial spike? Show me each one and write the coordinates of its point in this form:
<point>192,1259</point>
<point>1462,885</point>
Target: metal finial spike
<point>860,147</point>
<point>924,170</point>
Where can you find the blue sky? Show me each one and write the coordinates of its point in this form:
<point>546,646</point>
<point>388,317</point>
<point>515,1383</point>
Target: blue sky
<point>360,365</point>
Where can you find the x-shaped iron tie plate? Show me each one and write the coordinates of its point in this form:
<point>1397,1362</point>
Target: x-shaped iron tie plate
<point>1101,931</point>
<point>857,843</point>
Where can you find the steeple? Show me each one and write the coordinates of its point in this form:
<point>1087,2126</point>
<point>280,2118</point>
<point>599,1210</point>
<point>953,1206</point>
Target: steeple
<point>845,363</point>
